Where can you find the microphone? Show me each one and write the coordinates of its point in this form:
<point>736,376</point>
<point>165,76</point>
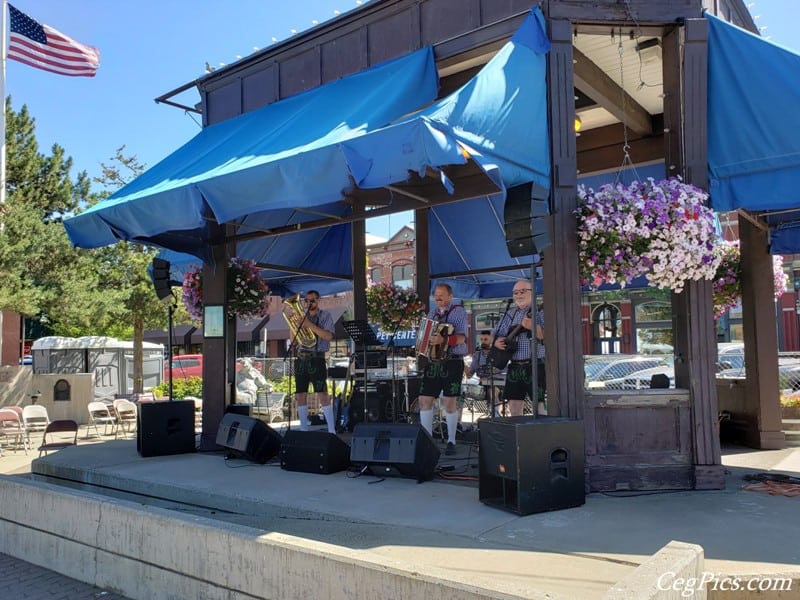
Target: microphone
<point>508,302</point>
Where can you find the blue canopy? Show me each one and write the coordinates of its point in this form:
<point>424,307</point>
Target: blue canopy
<point>261,159</point>
<point>753,146</point>
<point>289,175</point>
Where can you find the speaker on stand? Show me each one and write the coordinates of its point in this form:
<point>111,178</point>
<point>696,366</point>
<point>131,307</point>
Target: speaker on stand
<point>526,228</point>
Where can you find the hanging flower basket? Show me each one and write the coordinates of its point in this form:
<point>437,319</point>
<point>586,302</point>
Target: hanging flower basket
<point>659,229</point>
<point>248,292</point>
<point>728,278</point>
<point>391,307</point>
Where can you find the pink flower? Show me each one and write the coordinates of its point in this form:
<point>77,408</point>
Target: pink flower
<point>248,291</point>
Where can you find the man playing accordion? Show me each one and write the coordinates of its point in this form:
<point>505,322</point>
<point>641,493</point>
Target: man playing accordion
<point>443,374</point>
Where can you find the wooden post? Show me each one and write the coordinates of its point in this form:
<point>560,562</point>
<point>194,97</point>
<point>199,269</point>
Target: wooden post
<point>562,293</point>
<point>218,353</point>
<point>693,319</point>
<point>760,333</point>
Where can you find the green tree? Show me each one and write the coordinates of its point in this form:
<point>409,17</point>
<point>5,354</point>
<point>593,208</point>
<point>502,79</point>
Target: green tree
<point>106,291</point>
<point>125,268</point>
<point>43,275</point>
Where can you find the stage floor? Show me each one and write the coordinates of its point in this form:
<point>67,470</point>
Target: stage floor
<point>570,553</point>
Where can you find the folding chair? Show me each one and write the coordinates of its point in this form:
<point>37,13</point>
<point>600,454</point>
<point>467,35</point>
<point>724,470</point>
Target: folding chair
<point>126,415</point>
<point>101,414</point>
<point>34,418</point>
<point>59,434</point>
<point>11,428</point>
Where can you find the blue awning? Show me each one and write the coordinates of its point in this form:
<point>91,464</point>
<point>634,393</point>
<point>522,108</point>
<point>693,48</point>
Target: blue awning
<point>282,156</point>
<point>753,121</point>
<point>268,175</point>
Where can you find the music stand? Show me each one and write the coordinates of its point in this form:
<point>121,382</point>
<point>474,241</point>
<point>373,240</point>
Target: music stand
<point>362,334</point>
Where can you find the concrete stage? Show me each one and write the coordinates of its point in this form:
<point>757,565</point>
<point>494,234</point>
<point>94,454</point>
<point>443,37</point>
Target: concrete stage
<point>351,535</point>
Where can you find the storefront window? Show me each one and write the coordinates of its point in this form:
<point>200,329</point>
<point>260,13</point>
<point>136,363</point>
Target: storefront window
<point>653,327</point>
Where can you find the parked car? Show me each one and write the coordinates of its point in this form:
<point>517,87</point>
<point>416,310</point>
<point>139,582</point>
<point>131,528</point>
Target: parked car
<point>185,366</point>
<point>642,380</point>
<point>598,373</point>
<point>26,360</point>
<point>730,355</point>
<point>788,372</point>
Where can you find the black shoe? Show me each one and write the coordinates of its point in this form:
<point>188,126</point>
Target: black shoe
<point>450,450</point>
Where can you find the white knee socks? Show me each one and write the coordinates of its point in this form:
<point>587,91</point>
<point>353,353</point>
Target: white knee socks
<point>302,414</point>
<point>452,422</point>
<point>328,412</point>
<point>426,420</point>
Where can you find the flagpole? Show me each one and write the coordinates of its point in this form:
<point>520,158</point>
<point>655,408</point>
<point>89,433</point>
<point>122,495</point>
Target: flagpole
<point>3,51</point>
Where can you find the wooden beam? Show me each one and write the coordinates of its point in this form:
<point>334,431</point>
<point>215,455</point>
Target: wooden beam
<point>639,12</point>
<point>592,81</point>
<point>641,151</point>
<point>469,181</point>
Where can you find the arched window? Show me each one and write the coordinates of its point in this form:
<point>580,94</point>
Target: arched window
<point>403,275</point>
<point>607,328</point>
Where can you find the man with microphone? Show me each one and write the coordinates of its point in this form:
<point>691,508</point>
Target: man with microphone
<point>514,334</point>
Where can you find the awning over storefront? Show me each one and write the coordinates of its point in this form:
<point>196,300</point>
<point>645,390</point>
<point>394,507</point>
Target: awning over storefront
<point>753,124</point>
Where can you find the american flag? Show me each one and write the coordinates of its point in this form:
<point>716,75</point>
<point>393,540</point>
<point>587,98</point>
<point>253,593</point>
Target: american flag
<point>43,47</point>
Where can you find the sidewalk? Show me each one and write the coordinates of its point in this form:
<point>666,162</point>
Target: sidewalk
<point>19,579</point>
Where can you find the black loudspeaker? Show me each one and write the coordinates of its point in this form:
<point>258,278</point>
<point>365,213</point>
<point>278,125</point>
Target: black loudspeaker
<point>525,226</point>
<point>165,428</point>
<point>314,452</point>
<point>530,465</point>
<point>251,438</point>
<point>161,278</point>
<point>395,449</point>
<point>239,409</point>
<point>380,406</point>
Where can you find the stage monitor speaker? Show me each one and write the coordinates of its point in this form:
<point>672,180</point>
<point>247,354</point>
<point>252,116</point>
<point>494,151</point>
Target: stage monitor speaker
<point>248,437</point>
<point>524,215</point>
<point>395,449</point>
<point>165,428</point>
<point>314,452</point>
<point>161,277</point>
<point>531,465</point>
<point>239,409</point>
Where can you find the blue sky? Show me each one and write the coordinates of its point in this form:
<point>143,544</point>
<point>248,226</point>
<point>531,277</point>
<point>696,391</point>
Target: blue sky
<point>149,47</point>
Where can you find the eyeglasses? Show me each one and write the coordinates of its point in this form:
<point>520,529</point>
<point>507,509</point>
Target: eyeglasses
<point>520,292</point>
<point>311,300</point>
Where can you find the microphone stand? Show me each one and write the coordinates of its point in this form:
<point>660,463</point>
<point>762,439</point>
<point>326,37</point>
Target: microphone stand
<point>391,345</point>
<point>492,388</point>
<point>287,354</point>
